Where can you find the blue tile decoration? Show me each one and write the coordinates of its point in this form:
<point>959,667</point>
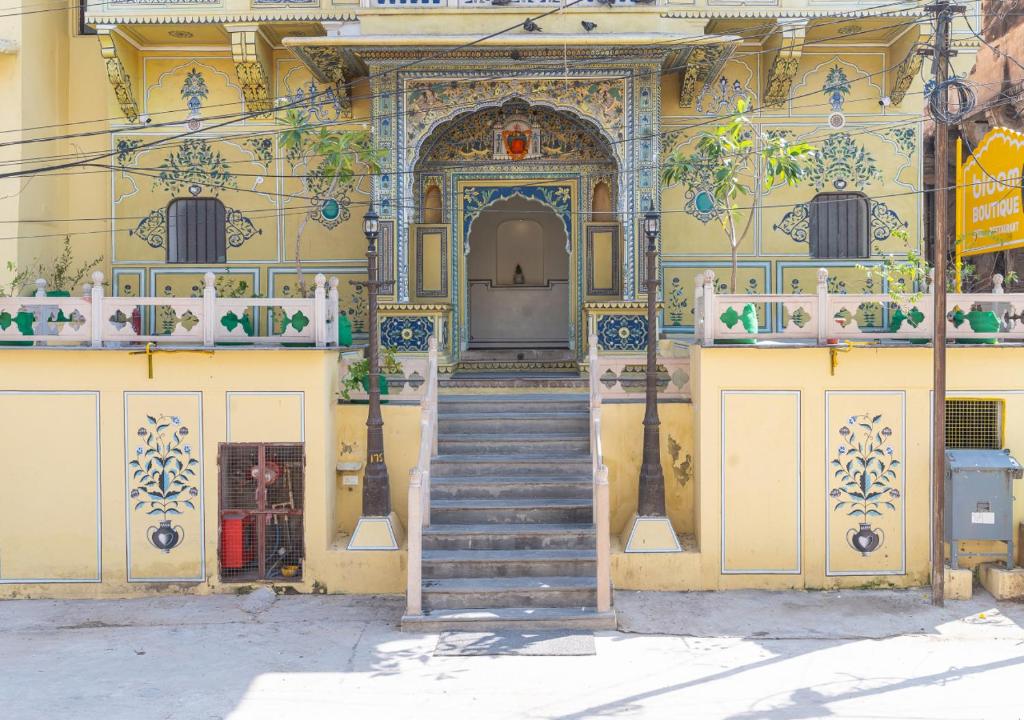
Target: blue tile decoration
<point>406,333</point>
<point>622,332</point>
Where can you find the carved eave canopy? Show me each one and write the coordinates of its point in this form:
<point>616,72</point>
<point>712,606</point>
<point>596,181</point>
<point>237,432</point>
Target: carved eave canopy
<point>350,53</point>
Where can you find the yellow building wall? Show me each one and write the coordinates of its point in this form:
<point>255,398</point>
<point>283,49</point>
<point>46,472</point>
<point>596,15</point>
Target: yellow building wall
<point>70,424</point>
<point>776,432</point>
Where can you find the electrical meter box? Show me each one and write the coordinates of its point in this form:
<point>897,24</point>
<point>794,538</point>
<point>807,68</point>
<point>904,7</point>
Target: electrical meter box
<point>979,499</point>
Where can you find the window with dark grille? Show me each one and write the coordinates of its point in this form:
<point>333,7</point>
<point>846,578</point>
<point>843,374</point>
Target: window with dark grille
<point>973,424</point>
<point>839,225</point>
<point>261,502</point>
<point>196,231</point>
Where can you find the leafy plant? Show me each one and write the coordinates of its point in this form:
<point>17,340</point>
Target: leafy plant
<point>332,159</point>
<point>904,278</point>
<point>62,274</point>
<point>865,468</point>
<point>163,470</point>
<point>18,280</point>
<point>360,371</point>
<point>721,154</point>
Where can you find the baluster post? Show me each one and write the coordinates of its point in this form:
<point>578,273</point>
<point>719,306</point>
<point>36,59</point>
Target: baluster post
<point>698,307</point>
<point>414,579</point>
<point>209,308</point>
<point>320,311</point>
<point>710,303</point>
<point>96,310</point>
<point>821,319</point>
<point>332,312</point>
<point>997,284</point>
<point>601,509</point>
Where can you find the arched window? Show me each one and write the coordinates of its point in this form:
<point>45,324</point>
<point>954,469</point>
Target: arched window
<point>432,208</point>
<point>839,225</point>
<point>196,231</point>
<point>601,203</point>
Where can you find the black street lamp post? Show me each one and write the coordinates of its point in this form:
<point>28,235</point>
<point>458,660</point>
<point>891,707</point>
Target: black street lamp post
<point>651,501</point>
<point>376,492</point>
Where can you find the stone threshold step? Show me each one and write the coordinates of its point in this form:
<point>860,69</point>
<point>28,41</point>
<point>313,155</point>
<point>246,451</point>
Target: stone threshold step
<point>524,399</point>
<point>512,415</point>
<point>518,437</point>
<point>510,529</point>
<point>559,583</point>
<point>560,458</point>
<point>567,479</point>
<point>486,556</point>
<point>510,503</point>
<point>584,618</point>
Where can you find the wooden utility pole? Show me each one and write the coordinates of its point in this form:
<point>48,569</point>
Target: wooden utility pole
<point>943,11</point>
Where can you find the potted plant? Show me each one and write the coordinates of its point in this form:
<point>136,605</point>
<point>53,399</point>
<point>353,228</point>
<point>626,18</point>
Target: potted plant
<point>359,374</point>
<point>62,275</point>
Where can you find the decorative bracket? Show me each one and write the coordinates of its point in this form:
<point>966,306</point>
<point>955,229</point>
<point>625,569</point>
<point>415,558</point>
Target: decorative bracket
<point>901,77</point>
<point>328,64</point>
<point>785,47</point>
<point>119,78</point>
<point>700,65</point>
<point>251,54</point>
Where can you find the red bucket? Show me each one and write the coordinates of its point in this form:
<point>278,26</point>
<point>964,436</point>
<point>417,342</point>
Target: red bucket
<point>232,540</point>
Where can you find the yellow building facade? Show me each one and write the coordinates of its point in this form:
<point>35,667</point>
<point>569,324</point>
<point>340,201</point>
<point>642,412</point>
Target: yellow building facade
<point>515,166</point>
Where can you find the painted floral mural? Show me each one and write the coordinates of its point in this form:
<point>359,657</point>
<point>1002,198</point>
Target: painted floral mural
<point>864,479</point>
<point>164,478</point>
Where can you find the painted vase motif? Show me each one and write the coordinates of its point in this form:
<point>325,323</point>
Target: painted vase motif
<point>866,540</point>
<point>165,478</point>
<point>865,478</point>
<point>164,537</point>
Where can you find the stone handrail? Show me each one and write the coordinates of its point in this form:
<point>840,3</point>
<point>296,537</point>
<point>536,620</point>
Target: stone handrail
<point>831,318</point>
<point>96,320</point>
<point>419,486</point>
<point>600,475</point>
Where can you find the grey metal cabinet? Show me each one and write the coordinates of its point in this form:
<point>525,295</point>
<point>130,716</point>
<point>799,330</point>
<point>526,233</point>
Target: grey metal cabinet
<point>979,499</point>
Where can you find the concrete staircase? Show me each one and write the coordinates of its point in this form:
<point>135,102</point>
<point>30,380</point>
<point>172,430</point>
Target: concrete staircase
<point>511,541</point>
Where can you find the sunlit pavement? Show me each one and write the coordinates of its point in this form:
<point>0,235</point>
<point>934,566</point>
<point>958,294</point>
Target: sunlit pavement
<point>869,654</point>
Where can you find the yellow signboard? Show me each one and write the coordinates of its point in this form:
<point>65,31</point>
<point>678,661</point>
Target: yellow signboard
<point>990,208</point>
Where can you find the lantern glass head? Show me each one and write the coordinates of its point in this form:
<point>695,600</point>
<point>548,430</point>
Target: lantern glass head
<point>652,223</point>
<point>371,223</point>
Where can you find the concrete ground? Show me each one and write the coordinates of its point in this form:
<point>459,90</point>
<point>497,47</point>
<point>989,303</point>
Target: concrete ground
<point>851,654</point>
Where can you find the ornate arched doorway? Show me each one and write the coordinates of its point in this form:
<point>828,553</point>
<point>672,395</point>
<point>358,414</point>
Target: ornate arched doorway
<point>516,185</point>
<point>517,271</point>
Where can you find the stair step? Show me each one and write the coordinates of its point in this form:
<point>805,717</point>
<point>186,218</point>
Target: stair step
<point>464,593</point>
<point>523,404</point>
<point>524,465</point>
<point>499,510</point>
<point>523,444</point>
<point>530,618</point>
<point>508,563</point>
<point>466,423</point>
<point>452,488</point>
<point>510,536</point>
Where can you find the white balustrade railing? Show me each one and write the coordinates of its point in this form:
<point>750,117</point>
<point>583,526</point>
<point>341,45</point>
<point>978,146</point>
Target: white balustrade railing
<point>97,320</point>
<point>419,485</point>
<point>600,476</point>
<point>829,318</point>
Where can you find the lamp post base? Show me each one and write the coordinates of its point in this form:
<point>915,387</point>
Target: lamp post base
<point>651,534</point>
<point>377,533</point>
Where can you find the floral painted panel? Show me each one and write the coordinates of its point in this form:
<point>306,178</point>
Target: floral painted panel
<point>622,332</point>
<point>406,333</point>
<point>352,298</point>
<point>865,483</point>
<point>164,487</point>
<point>680,282</point>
